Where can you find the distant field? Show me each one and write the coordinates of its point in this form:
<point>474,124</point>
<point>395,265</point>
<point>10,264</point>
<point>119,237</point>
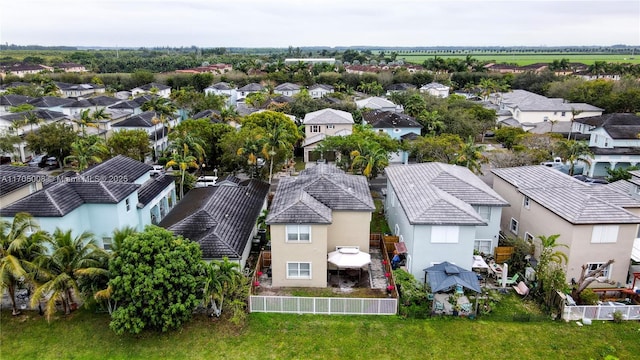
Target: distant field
<point>527,58</point>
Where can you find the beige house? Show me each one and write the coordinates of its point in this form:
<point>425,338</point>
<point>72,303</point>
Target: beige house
<point>596,222</point>
<point>313,214</point>
<point>17,182</point>
<point>320,124</point>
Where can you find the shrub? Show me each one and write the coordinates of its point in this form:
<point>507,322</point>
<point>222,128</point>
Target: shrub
<point>588,297</point>
<point>617,316</point>
<point>413,295</point>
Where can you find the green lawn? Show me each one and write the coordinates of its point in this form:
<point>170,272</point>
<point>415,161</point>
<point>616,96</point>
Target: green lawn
<point>86,335</point>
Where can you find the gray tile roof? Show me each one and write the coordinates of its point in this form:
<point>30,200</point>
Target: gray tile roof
<point>328,117</point>
<point>15,177</point>
<point>443,194</point>
<point>375,102</point>
<point>144,119</point>
<point>528,101</point>
<point>128,104</point>
<point>252,87</point>
<point>321,86</point>
<point>221,86</point>
<point>43,114</point>
<point>401,87</point>
<point>14,100</point>
<point>118,167</point>
<point>153,187</point>
<point>149,86</point>
<point>568,198</point>
<point>618,125</point>
<point>219,218</point>
<point>287,87</point>
<point>50,101</point>
<point>311,197</point>
<point>60,199</point>
<point>389,119</point>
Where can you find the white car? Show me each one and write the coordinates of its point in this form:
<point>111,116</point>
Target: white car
<point>205,181</point>
<point>157,170</point>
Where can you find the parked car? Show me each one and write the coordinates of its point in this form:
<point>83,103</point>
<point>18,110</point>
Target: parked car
<point>205,181</point>
<point>157,170</point>
<point>38,160</point>
<point>52,162</point>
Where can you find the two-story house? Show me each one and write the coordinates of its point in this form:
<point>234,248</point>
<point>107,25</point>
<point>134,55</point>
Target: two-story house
<point>287,89</point>
<point>149,122</point>
<point>78,90</point>
<point>7,101</point>
<point>318,91</point>
<point>398,126</point>
<point>108,196</point>
<point>441,212</point>
<point>249,89</point>
<point>378,103</point>
<point>16,182</point>
<point>613,140</point>
<point>313,214</point>
<point>152,89</point>
<point>595,223</point>
<point>435,89</point>
<point>320,124</point>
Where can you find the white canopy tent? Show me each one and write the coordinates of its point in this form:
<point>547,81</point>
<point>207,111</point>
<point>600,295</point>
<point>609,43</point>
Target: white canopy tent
<point>349,258</point>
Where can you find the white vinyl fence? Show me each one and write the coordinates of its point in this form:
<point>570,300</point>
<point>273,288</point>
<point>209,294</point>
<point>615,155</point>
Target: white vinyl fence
<point>323,305</point>
<point>601,312</point>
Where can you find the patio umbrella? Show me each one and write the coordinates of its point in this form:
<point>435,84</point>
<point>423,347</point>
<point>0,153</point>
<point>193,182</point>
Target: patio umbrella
<point>445,276</point>
<point>349,258</point>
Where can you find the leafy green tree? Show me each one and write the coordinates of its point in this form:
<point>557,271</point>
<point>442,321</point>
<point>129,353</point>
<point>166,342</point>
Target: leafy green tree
<point>470,156</point>
<point>19,246</point>
<point>507,135</point>
<point>156,280</point>
<point>441,148</point>
<point>141,77</point>
<point>550,271</point>
<point>370,160</point>
<point>53,139</point>
<point>131,143</point>
<point>57,274</point>
<point>86,151</point>
<point>620,173</point>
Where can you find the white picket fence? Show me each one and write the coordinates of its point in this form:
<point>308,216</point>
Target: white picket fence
<point>600,312</point>
<point>323,305</point>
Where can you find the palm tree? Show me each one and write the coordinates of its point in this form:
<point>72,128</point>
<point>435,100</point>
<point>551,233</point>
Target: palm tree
<point>85,120</point>
<point>574,151</point>
<point>18,248</point>
<point>163,108</point>
<point>252,148</point>
<point>276,140</point>
<point>574,113</point>
<point>184,160</point>
<point>370,161</point>
<point>471,157</point>
<point>101,114</point>
<point>59,270</point>
<point>222,279</point>
<point>86,152</point>
<point>548,244</point>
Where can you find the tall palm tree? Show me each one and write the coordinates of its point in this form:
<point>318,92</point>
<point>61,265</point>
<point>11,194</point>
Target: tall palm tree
<point>184,160</point>
<point>252,148</point>
<point>471,157</point>
<point>101,114</point>
<point>86,152</point>
<point>574,113</point>
<point>163,108</point>
<point>58,275</point>
<point>85,120</point>
<point>276,139</point>
<point>370,160</point>
<point>18,248</point>
<point>574,151</point>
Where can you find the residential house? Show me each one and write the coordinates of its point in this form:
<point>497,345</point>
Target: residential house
<point>318,91</point>
<point>11,100</point>
<point>79,90</point>
<point>287,89</point>
<point>613,140</point>
<point>311,61</point>
<point>249,89</point>
<point>91,104</point>
<point>441,212</point>
<point>147,121</point>
<point>394,124</point>
<point>595,223</point>
<point>401,87</point>
<point>313,214</point>
<point>631,188</point>
<point>52,103</point>
<point>17,182</point>
<point>221,219</point>
<point>152,89</point>
<point>378,103</point>
<point>8,121</point>
<point>529,109</point>
<point>20,70</point>
<point>213,68</point>
<point>108,196</point>
<point>223,89</point>
<point>320,124</point>
<point>70,67</point>
<point>435,89</point>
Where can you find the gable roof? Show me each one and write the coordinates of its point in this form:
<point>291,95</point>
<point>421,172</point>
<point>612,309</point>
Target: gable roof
<point>389,119</point>
<point>50,101</point>
<point>617,125</point>
<point>252,87</point>
<point>568,198</point>
<point>328,116</point>
<point>321,86</point>
<point>219,218</point>
<point>44,114</point>
<point>118,167</point>
<point>310,197</point>
<point>287,87</point>
<point>442,194</point>
<point>375,102</point>
<point>15,177</point>
<point>144,119</point>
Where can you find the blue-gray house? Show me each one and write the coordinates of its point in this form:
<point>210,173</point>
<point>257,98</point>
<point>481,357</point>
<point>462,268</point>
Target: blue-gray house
<point>397,125</point>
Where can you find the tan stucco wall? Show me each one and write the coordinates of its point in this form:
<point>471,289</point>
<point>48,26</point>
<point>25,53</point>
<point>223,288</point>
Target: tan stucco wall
<point>537,221</point>
<point>18,194</point>
<point>324,130</point>
<point>349,228</point>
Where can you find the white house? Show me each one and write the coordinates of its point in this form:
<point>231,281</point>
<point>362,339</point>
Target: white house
<point>378,103</point>
<point>153,89</point>
<point>441,212</point>
<point>318,91</point>
<point>435,89</point>
<point>287,89</point>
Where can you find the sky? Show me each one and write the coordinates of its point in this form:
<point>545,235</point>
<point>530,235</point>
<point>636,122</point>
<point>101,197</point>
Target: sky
<point>283,23</point>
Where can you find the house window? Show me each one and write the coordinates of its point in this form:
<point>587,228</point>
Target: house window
<point>127,204</point>
<point>331,126</point>
<point>528,237</point>
<point>299,233</point>
<point>484,212</point>
<point>396,130</point>
<point>606,272</point>
<point>604,234</point>
<point>526,202</point>
<point>563,113</point>
<point>482,246</point>
<point>444,234</point>
<point>513,226</point>
<point>315,128</point>
<point>106,243</point>
<point>298,270</point>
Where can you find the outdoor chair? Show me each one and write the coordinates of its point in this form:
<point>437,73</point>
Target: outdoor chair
<point>438,307</point>
<point>512,280</point>
<point>466,308</point>
<point>522,289</point>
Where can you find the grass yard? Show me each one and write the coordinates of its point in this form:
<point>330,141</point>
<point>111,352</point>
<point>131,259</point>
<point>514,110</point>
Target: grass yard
<point>86,335</point>
<point>528,58</point>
